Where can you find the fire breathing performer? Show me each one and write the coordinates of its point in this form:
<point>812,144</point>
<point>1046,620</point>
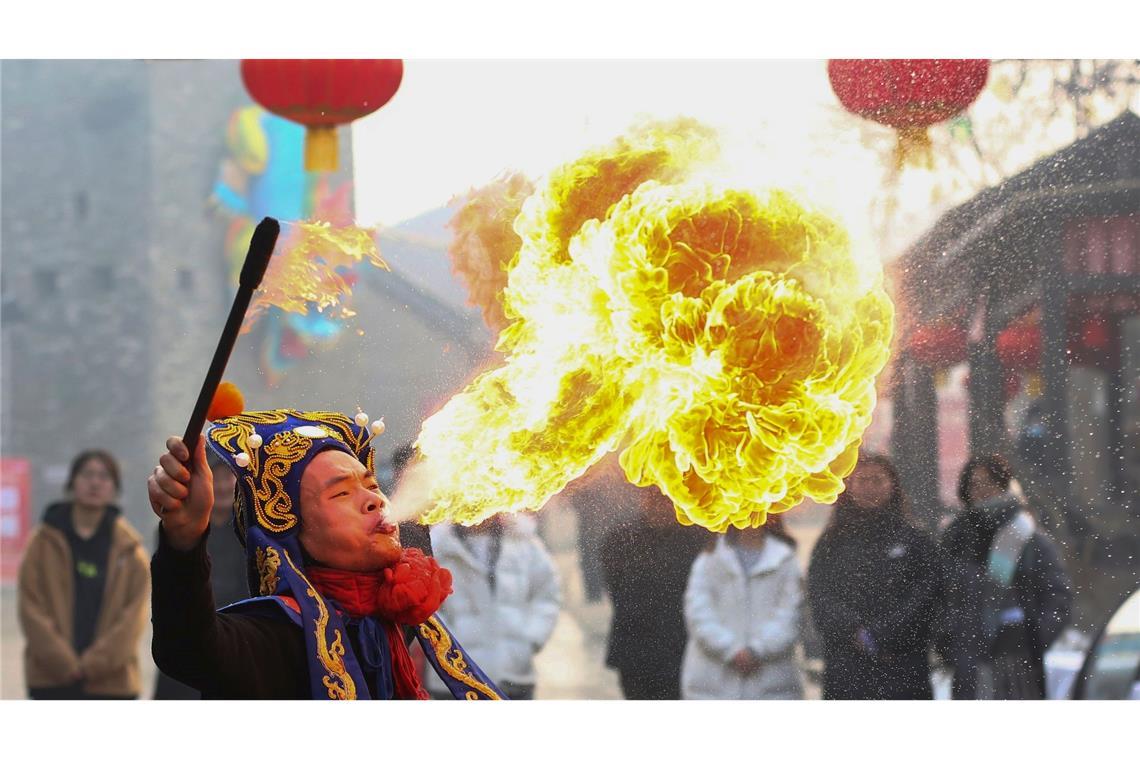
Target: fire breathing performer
<point>334,586</point>
<point>336,590</point>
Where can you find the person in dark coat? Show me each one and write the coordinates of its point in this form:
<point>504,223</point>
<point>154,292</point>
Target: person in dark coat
<point>646,565</point>
<point>228,577</point>
<point>873,591</point>
<point>1007,595</point>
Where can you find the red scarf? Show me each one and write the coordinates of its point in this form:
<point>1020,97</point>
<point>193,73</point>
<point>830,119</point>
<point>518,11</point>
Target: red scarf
<point>409,592</point>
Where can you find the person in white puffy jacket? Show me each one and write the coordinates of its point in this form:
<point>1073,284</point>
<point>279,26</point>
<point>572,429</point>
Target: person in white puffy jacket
<point>505,601</point>
<point>743,608</point>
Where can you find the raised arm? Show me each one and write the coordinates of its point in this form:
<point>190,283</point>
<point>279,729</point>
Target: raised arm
<point>182,494</point>
<point>219,654</point>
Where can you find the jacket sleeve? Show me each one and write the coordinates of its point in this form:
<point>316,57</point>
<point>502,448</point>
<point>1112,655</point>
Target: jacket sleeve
<point>777,635</point>
<point>230,654</point>
<point>911,613</point>
<point>117,644</point>
<point>544,599</point>
<point>1051,589</point>
<point>956,616</point>
<point>833,619</point>
<point>46,642</point>
<point>710,633</point>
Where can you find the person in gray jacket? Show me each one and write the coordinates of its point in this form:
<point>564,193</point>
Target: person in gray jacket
<point>506,597</point>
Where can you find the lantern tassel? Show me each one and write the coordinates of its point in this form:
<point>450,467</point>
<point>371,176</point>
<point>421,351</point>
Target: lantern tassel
<point>321,149</point>
<point>914,148</point>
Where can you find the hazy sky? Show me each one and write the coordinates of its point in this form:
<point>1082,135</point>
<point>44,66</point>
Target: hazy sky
<point>456,124</point>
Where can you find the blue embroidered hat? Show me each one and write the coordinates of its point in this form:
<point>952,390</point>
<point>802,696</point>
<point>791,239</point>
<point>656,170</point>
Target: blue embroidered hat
<point>268,451</point>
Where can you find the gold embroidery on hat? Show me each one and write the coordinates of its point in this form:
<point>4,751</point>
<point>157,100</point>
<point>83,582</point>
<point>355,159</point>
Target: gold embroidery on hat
<point>271,501</point>
<point>233,434</point>
<point>452,659</point>
<point>273,508</point>
<point>268,560</point>
<point>338,682</point>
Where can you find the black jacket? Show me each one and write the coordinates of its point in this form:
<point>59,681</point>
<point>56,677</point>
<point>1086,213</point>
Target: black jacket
<point>646,571</point>
<point>224,656</point>
<point>1040,587</point>
<point>228,579</point>
<point>873,570</point>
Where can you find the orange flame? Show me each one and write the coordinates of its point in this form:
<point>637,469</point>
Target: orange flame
<point>485,242</point>
<point>303,272</point>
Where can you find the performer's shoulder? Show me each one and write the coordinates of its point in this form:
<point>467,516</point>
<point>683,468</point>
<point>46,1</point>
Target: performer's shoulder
<point>271,607</point>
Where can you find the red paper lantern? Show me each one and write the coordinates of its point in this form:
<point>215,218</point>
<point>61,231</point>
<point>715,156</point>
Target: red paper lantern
<point>908,94</point>
<point>1019,345</point>
<point>1090,345</point>
<point>321,95</point>
<point>938,345</point>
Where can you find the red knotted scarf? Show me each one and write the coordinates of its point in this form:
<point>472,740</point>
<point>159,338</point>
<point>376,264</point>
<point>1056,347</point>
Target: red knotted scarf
<point>408,593</point>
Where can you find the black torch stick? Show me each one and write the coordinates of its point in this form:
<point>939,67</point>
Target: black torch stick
<point>256,260</point>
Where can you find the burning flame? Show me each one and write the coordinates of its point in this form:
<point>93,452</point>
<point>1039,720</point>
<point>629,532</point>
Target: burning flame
<point>309,268</point>
<point>485,242</point>
<point>726,342</point>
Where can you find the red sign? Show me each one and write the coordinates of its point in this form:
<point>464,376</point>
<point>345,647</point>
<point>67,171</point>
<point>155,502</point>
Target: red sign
<point>15,514</point>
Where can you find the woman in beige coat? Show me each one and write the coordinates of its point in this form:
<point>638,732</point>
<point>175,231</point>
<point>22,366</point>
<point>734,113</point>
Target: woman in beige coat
<point>83,591</point>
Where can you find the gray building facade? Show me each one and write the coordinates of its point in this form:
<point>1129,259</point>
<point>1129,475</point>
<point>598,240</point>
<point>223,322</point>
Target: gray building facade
<point>115,284</point>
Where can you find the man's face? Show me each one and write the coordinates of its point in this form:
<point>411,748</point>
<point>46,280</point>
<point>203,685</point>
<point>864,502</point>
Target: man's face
<point>345,522</point>
<point>869,485</point>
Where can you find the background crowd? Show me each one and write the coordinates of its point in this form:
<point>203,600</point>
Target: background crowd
<point>695,615</point>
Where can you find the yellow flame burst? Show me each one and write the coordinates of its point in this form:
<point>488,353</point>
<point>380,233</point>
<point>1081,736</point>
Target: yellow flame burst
<point>305,269</point>
<point>726,342</point>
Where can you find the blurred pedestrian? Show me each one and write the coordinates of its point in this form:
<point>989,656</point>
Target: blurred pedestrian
<point>83,589</point>
<point>506,597</point>
<point>1007,594</point>
<point>590,505</point>
<point>743,607</point>
<point>873,589</point>
<point>646,563</point>
<point>228,572</point>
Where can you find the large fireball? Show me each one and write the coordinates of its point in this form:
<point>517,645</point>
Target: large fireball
<point>726,342</point>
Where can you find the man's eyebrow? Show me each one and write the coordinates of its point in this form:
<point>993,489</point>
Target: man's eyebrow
<point>334,480</point>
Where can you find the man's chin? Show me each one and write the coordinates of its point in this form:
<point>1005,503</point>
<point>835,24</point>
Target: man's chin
<point>386,550</point>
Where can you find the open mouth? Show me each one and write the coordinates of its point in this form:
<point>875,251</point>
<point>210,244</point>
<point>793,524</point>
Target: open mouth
<point>386,525</point>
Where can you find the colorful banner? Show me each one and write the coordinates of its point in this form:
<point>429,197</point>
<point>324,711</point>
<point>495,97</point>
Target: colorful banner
<point>261,176</point>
